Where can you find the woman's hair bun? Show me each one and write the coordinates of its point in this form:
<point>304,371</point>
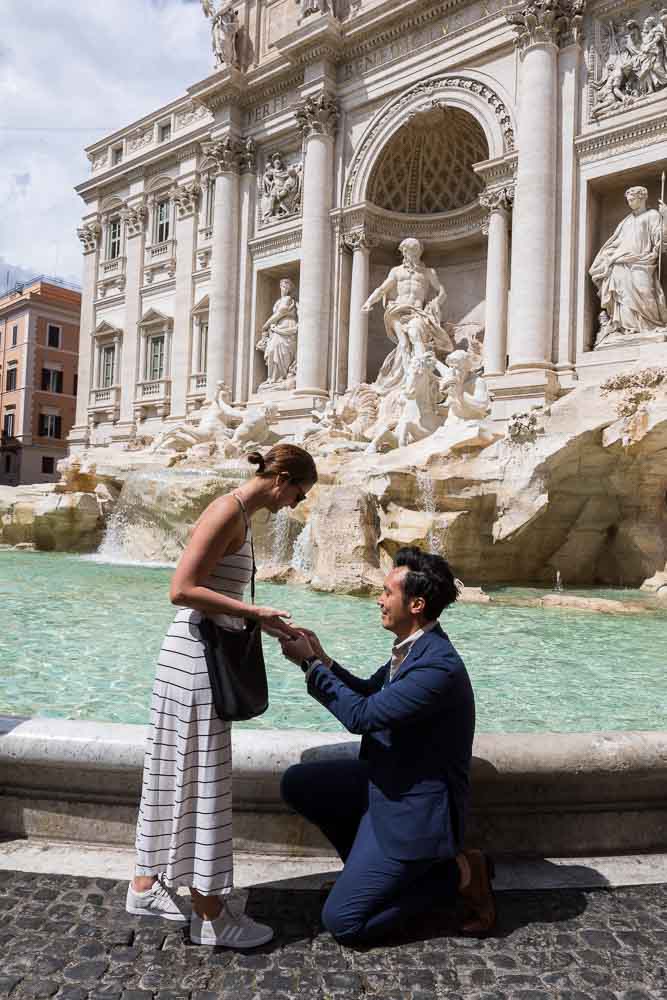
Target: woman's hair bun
<point>256,458</point>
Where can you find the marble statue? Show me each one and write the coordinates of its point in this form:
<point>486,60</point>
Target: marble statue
<point>224,33</point>
<point>468,405</point>
<point>281,188</point>
<point>413,321</point>
<point>309,7</point>
<point>625,272</point>
<point>279,340</point>
<point>213,423</point>
<point>255,427</point>
<point>412,411</point>
<point>636,63</point>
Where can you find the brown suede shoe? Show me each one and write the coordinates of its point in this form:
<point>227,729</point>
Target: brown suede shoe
<point>478,894</point>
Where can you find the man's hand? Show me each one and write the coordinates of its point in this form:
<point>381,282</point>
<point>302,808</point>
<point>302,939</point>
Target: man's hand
<point>297,650</point>
<point>317,646</point>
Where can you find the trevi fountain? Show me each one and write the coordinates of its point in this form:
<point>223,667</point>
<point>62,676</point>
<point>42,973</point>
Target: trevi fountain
<point>426,240</point>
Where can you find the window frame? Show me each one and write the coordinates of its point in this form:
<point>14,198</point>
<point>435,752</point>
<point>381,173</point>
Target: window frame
<point>162,220</point>
<point>15,335</point>
<point>107,371</point>
<point>49,328</point>
<point>49,421</point>
<point>114,238</point>
<point>9,416</point>
<point>153,339</point>
<point>58,381</point>
<point>117,155</point>
<point>12,369</point>
<point>164,126</point>
<point>51,459</point>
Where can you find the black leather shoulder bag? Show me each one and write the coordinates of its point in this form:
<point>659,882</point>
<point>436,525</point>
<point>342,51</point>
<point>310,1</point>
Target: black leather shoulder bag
<point>235,661</point>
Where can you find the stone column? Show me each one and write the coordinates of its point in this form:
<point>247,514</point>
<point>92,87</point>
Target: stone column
<point>357,356</point>
<point>134,217</point>
<point>185,198</point>
<point>317,118</point>
<point>89,234</point>
<point>226,154</point>
<point>247,215</point>
<point>538,27</point>
<point>498,202</point>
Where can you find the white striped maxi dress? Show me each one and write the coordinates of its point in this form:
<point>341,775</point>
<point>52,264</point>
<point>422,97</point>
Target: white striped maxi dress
<point>184,830</point>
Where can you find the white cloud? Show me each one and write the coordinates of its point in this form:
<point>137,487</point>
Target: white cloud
<point>72,71</point>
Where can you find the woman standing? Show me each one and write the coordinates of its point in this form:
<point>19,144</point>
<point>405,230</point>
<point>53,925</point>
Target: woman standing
<point>184,831</point>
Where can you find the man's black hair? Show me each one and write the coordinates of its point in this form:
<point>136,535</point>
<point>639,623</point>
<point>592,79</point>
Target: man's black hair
<point>428,576</point>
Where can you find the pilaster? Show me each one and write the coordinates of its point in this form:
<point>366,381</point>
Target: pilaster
<point>186,199</point>
<point>134,219</point>
<point>89,234</point>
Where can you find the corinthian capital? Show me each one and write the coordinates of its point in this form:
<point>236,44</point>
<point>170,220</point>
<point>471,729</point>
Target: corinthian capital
<point>224,155</point>
<point>358,239</point>
<point>317,115</point>
<point>497,199</point>
<point>134,217</point>
<point>545,21</point>
<point>89,234</point>
<point>185,197</point>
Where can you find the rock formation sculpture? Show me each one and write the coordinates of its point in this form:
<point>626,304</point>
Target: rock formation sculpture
<point>411,319</point>
<point>625,272</point>
<point>279,341</point>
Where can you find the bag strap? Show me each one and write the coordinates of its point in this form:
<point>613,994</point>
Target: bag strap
<point>252,547</point>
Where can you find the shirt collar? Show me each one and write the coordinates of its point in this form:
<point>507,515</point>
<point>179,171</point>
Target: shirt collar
<point>405,645</point>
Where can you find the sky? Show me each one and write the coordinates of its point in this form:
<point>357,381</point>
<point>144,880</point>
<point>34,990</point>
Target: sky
<point>71,72</point>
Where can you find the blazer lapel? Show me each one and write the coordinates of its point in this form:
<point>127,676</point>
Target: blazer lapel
<point>418,648</point>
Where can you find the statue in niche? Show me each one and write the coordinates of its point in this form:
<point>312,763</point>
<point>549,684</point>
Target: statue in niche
<point>279,340</point>
<point>412,321</point>
<point>309,7</point>
<point>636,63</point>
<point>281,188</point>
<point>625,272</point>
<point>224,33</point>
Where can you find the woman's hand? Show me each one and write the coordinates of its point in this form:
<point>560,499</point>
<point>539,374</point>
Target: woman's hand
<point>275,623</point>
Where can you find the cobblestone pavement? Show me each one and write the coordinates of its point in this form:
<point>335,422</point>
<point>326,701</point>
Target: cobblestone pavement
<point>70,938</point>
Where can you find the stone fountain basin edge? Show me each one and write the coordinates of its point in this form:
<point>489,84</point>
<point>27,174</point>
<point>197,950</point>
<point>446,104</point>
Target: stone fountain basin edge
<point>542,794</point>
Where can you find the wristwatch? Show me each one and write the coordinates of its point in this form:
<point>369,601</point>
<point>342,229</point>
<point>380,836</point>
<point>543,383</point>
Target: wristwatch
<point>308,662</point>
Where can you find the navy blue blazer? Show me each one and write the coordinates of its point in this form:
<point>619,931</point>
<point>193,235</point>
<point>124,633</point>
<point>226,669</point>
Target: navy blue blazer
<point>417,734</point>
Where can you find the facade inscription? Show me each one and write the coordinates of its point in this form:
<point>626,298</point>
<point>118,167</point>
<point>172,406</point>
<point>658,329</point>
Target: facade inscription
<point>410,41</point>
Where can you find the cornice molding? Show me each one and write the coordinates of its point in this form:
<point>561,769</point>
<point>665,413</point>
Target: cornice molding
<point>266,246</point>
<point>389,228</point>
<point>622,138</point>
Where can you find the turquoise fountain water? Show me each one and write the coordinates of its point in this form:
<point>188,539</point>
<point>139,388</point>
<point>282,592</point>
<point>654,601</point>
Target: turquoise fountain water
<point>79,640</point>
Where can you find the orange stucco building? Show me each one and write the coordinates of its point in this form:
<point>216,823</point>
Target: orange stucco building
<point>39,352</point>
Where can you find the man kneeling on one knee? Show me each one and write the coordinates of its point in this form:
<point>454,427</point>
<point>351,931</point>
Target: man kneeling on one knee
<point>396,815</point>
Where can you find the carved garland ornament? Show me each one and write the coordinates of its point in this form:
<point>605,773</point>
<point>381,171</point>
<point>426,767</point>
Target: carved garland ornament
<point>185,198</point>
<point>427,89</point>
<point>134,218</point>
<point>90,234</point>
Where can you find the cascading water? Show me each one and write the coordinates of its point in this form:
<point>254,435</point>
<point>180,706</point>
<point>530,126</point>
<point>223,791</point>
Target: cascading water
<point>427,500</point>
<point>156,511</point>
<point>280,549</point>
<point>302,559</point>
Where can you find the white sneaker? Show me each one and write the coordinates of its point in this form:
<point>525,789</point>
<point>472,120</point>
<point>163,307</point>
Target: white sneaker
<point>158,901</point>
<point>230,930</point>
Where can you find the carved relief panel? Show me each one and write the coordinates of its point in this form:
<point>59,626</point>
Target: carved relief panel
<point>280,185</point>
<point>626,58</point>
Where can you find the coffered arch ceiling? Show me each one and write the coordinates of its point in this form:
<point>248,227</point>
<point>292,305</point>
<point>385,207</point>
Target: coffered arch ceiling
<point>426,167</point>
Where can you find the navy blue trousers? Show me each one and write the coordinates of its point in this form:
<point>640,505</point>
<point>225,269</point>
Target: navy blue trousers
<point>374,894</point>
